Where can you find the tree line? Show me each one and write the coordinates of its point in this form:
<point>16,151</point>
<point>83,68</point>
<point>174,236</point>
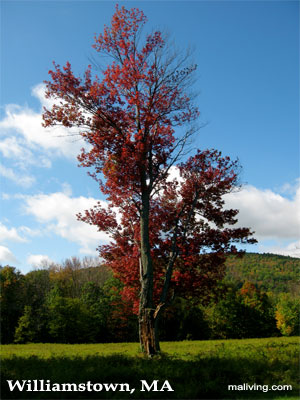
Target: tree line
<point>79,301</point>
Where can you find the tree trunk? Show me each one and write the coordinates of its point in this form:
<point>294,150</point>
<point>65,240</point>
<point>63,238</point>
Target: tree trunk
<point>148,332</point>
<point>147,326</point>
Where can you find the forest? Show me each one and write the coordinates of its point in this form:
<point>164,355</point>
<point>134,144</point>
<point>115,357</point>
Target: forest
<point>80,301</point>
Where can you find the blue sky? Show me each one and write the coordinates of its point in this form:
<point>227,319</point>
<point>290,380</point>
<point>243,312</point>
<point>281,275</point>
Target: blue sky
<point>247,54</point>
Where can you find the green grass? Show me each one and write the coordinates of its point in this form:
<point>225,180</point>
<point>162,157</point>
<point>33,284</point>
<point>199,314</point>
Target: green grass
<point>194,369</point>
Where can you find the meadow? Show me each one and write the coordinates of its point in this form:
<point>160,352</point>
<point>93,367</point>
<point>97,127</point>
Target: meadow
<point>194,369</point>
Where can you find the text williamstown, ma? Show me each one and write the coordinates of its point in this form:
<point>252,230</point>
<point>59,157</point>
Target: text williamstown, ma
<point>41,385</point>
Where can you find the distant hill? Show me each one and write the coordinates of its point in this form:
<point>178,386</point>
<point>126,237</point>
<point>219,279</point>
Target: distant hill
<point>270,272</point>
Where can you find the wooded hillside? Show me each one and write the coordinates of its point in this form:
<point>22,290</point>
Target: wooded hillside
<point>270,272</point>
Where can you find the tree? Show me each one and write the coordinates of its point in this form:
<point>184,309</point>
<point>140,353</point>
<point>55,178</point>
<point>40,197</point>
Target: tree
<point>68,319</point>
<point>243,313</point>
<point>130,121</point>
<point>288,314</point>
<point>92,296</point>
<point>33,326</point>
<point>37,284</point>
<point>11,301</point>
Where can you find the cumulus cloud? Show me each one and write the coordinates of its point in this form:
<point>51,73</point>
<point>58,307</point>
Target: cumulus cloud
<point>7,257</point>
<point>269,214</point>
<point>16,149</point>
<point>58,211</point>
<point>24,143</point>
<point>10,234</point>
<point>27,142</point>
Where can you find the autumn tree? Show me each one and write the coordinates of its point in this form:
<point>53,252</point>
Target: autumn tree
<point>288,314</point>
<point>137,120</point>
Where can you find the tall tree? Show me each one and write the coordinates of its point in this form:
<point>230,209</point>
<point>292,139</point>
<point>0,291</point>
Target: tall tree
<point>128,118</point>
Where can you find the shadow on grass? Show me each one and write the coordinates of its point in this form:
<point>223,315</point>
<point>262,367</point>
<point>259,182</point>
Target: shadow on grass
<point>200,378</point>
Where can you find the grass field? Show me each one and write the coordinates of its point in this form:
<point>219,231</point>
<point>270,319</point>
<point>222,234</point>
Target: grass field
<point>194,369</point>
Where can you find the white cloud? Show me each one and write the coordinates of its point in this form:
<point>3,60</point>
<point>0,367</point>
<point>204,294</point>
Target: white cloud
<point>38,91</point>
<point>39,260</point>
<point>11,147</point>
<point>6,256</point>
<point>21,180</point>
<point>28,124</point>
<point>15,148</point>
<point>10,234</point>
<point>269,214</point>
<point>29,232</point>
<point>58,212</point>
<point>25,143</point>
